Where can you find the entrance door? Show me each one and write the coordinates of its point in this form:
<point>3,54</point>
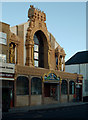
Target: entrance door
<point>50,90</point>
<point>53,90</point>
<point>47,90</point>
<point>79,94</point>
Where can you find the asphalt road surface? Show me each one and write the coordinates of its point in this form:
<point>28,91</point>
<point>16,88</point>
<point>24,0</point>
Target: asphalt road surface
<point>79,112</point>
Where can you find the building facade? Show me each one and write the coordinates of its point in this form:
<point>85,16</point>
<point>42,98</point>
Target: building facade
<point>79,64</point>
<point>40,76</point>
<point>6,69</point>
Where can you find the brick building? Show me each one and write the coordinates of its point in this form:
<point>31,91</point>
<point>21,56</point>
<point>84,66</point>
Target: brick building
<point>40,76</point>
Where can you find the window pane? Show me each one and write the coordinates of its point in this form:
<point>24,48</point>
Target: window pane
<point>36,48</point>
<point>2,41</point>
<point>35,55</point>
<point>22,86</point>
<point>36,86</point>
<point>36,63</point>
<point>2,58</point>
<point>3,35</point>
<point>36,41</point>
<point>64,87</point>
<point>56,60</point>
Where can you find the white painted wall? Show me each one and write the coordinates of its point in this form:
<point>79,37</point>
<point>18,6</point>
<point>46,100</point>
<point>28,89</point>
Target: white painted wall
<point>79,69</point>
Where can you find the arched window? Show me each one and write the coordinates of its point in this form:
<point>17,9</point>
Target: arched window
<point>71,87</point>
<point>38,50</point>
<point>22,85</point>
<point>36,86</point>
<point>64,87</point>
<point>56,57</point>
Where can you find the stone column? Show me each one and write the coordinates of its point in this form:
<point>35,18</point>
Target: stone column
<point>68,90</point>
<point>32,54</point>
<point>49,66</point>
<point>58,60</point>
<point>63,63</point>
<point>17,54</point>
<point>60,63</point>
<point>29,53</point>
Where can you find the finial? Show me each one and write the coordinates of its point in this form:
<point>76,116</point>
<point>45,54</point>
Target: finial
<point>31,6</point>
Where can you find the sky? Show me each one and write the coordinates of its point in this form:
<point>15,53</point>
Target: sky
<point>65,20</point>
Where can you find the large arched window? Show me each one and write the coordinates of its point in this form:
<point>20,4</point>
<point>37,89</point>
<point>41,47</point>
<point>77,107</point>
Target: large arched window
<point>22,87</point>
<point>36,51</point>
<point>36,86</point>
<point>71,87</point>
<point>64,87</point>
<point>39,49</point>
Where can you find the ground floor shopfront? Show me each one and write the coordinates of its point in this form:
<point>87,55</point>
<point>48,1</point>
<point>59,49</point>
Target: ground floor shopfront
<point>35,86</point>
<point>7,85</point>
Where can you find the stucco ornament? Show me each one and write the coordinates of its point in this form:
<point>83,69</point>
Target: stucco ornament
<point>36,23</point>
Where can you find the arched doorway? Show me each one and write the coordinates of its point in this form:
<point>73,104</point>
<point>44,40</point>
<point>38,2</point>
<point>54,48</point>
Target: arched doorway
<point>40,50</point>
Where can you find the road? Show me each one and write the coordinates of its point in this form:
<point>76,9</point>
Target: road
<point>72,112</point>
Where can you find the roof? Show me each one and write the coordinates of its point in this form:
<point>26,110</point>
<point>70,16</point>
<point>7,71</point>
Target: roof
<point>78,58</point>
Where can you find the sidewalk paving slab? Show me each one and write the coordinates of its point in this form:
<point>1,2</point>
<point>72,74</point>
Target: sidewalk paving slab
<point>45,107</point>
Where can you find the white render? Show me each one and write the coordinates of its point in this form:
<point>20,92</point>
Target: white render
<point>80,69</point>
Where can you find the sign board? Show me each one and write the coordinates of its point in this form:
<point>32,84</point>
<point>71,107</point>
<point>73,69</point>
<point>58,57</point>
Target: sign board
<point>7,68</point>
<point>6,75</point>
<point>51,78</point>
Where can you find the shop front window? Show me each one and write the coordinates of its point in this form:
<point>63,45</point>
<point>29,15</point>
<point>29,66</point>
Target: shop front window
<point>22,85</point>
<point>36,86</point>
<point>64,87</point>
<point>71,87</point>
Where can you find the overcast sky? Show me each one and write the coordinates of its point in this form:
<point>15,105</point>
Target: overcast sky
<point>65,20</point>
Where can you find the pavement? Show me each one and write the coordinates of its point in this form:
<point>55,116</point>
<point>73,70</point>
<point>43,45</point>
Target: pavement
<point>45,107</point>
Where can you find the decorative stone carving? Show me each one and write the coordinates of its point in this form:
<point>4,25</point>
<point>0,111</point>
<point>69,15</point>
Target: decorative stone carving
<point>37,22</point>
<point>61,58</point>
<point>12,55</point>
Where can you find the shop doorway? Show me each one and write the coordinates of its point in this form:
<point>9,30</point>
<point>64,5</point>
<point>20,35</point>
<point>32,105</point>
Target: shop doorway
<point>7,98</point>
<point>50,90</point>
<point>79,93</point>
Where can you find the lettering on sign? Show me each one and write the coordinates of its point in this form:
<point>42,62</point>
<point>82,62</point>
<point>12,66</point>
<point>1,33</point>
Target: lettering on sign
<point>6,75</point>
